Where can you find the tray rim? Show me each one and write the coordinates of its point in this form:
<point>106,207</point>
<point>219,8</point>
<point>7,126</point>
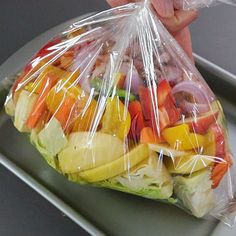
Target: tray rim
<point>49,195</point>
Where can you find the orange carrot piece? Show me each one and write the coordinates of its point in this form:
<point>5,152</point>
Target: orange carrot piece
<point>147,136</point>
<point>48,81</point>
<point>44,118</point>
<point>65,111</point>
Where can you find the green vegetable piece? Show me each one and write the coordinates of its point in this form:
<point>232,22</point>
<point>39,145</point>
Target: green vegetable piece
<point>195,192</point>
<point>121,93</point>
<point>52,137</point>
<point>96,83</point>
<point>23,108</point>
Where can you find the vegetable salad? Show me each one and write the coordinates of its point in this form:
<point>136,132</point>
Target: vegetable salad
<point>114,102</point>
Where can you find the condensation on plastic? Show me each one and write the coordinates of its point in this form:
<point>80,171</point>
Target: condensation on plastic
<point>197,4</point>
<point>113,101</point>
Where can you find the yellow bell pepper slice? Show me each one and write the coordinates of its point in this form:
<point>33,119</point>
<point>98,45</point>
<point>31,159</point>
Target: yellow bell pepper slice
<point>188,164</point>
<point>83,121</point>
<point>210,148</point>
<point>63,90</point>
<point>116,119</point>
<point>61,74</point>
<point>118,166</point>
<point>180,138</point>
<point>69,104</point>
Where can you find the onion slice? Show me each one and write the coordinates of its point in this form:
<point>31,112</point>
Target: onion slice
<point>194,108</point>
<point>199,92</point>
<point>132,77</point>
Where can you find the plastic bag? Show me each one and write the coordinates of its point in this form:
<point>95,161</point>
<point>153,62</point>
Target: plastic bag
<point>113,101</point>
<point>196,4</point>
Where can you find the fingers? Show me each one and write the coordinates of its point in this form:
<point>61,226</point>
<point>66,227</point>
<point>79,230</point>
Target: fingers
<point>180,20</point>
<point>178,4</point>
<point>173,20</point>
<point>115,3</point>
<point>164,8</point>
<point>176,21</point>
<point>183,37</point>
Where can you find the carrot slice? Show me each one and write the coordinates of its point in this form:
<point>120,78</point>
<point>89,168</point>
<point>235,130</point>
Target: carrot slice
<point>148,137</point>
<point>48,81</point>
<point>65,111</point>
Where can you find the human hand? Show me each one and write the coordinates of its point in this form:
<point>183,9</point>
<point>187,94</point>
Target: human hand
<point>175,20</point>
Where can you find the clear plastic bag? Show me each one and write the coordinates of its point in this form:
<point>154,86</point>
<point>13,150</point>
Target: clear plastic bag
<point>113,101</point>
<point>196,4</point>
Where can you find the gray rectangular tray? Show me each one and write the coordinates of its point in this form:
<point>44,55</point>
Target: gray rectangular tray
<point>103,211</point>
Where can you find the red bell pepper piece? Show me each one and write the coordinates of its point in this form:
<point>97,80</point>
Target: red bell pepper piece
<point>220,169</point>
<point>171,109</point>
<point>46,49</point>
<point>219,138</point>
<point>137,120</point>
<point>163,91</point>
<point>27,69</point>
<point>146,103</point>
<point>167,111</point>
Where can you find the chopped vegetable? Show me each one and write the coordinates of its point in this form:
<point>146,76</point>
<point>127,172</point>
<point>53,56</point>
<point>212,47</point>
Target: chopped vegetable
<point>196,90</point>
<point>220,169</point>
<point>120,80</point>
<point>166,113</point>
<point>48,81</point>
<point>148,178</point>
<point>24,108</point>
<point>116,119</point>
<point>50,159</point>
<point>83,121</point>
<point>149,137</point>
<point>9,106</point>
<point>216,137</point>
<point>123,94</point>
<point>118,166</point>
<point>165,149</point>
<point>188,164</point>
<point>200,124</point>
<point>96,83</point>
<point>65,100</point>
<point>180,138</point>
<point>163,91</point>
<point>137,120</point>
<point>195,192</point>
<point>52,137</point>
<point>125,113</point>
<point>86,151</point>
